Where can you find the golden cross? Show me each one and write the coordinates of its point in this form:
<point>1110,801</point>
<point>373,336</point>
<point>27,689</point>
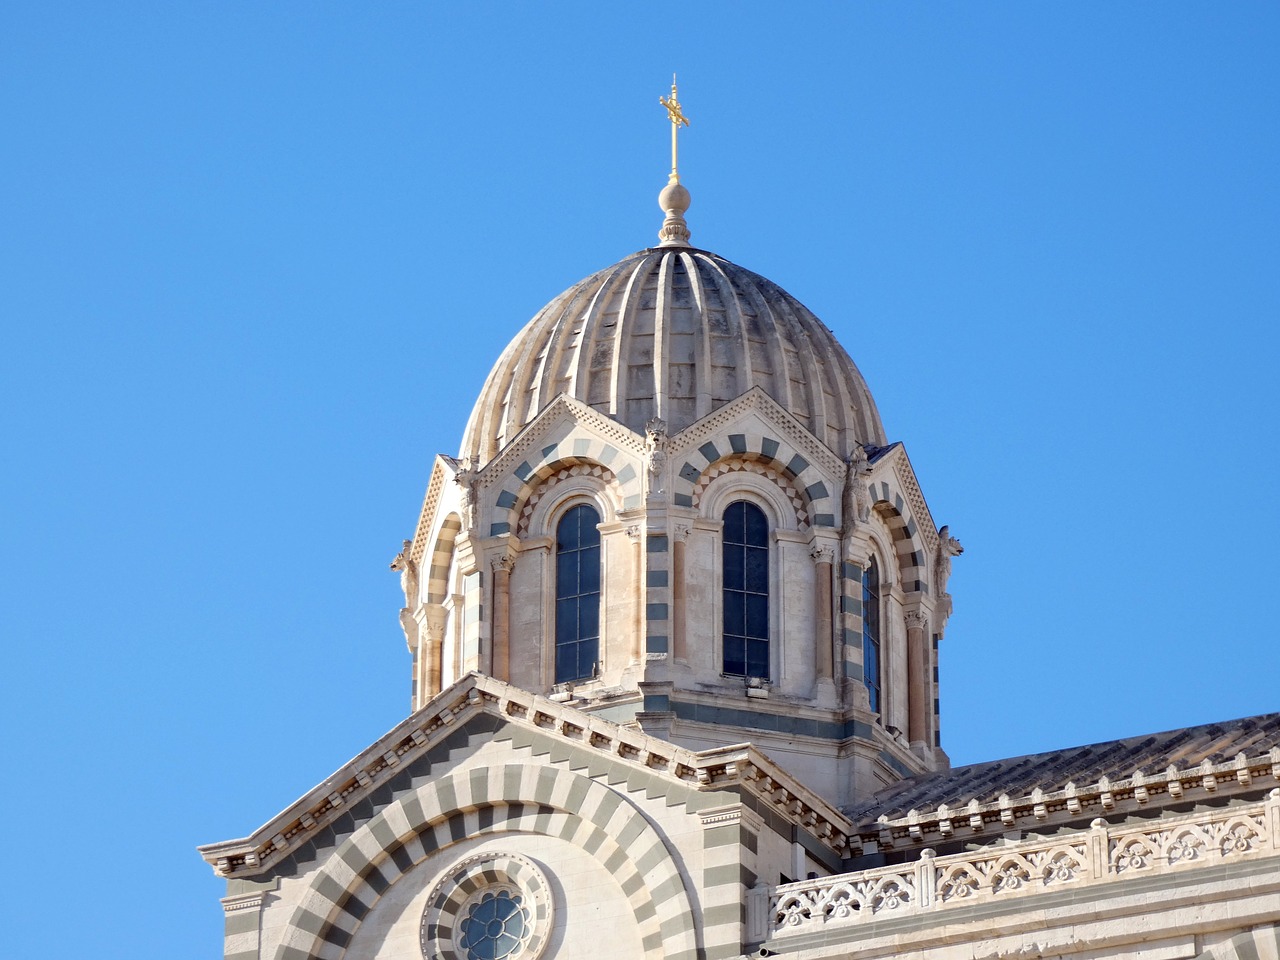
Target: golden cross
<point>678,119</point>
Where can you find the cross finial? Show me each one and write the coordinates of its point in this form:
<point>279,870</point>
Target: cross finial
<point>678,120</point>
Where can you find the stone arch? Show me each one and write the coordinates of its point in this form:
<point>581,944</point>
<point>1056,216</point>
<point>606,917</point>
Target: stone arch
<point>763,451</point>
<point>623,486</point>
<point>798,507</point>
<point>911,565</point>
<point>508,798</point>
<point>442,559</point>
<point>1261,941</point>
<point>605,482</point>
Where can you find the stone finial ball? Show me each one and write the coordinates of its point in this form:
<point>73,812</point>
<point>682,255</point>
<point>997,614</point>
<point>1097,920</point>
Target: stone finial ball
<point>674,198</point>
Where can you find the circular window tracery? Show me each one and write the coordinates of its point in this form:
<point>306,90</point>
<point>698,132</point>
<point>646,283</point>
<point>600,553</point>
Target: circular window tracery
<point>493,906</point>
<point>498,926</point>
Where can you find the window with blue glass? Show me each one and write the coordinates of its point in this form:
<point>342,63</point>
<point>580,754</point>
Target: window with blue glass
<point>746,591</point>
<point>577,594</point>
<point>496,927</point>
<point>871,632</point>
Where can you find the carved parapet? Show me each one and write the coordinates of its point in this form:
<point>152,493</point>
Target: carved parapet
<point>1104,853</point>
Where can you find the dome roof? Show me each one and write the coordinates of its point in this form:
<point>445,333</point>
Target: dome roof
<point>674,332</point>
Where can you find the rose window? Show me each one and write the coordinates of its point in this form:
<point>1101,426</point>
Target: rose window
<point>492,906</point>
<point>497,927</point>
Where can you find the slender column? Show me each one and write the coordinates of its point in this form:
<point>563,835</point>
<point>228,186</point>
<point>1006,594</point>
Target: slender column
<point>823,558</point>
<point>634,532</point>
<point>679,649</point>
<point>434,648</point>
<point>917,680</point>
<point>500,669</point>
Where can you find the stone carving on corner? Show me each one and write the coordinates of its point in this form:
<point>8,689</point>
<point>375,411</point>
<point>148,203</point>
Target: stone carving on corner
<point>468,478</point>
<point>404,564</point>
<point>948,547</point>
<point>855,501</point>
<point>655,453</point>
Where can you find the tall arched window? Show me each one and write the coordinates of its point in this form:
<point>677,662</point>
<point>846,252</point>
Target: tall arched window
<point>871,632</point>
<point>746,591</point>
<point>577,594</point>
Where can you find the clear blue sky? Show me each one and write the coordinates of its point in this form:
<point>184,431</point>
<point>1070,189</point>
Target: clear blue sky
<point>257,258</point>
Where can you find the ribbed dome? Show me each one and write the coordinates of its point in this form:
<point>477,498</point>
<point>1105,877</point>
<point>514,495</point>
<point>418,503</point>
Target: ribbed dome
<point>674,332</point>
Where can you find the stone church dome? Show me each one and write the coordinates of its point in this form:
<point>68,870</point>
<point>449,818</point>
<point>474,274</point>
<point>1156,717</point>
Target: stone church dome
<point>674,332</point>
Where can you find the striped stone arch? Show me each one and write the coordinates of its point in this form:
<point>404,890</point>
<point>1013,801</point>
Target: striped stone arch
<point>518,798</point>
<point>738,465</point>
<point>608,483</point>
<point>1259,943</point>
<point>442,559</point>
<point>574,451</point>
<point>913,566</point>
<point>770,452</point>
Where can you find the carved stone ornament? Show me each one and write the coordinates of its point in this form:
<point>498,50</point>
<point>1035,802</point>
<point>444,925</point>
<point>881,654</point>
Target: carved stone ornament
<point>504,561</point>
<point>948,547</point>
<point>408,570</point>
<point>492,906</point>
<point>468,478</point>
<point>634,531</point>
<point>655,450</point>
<point>855,501</point>
<point>822,554</point>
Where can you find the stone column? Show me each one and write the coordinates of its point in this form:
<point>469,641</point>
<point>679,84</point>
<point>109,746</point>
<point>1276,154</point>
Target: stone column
<point>501,564</point>
<point>679,648</point>
<point>823,558</point>
<point>917,678</point>
<point>635,534</point>
<point>431,666</point>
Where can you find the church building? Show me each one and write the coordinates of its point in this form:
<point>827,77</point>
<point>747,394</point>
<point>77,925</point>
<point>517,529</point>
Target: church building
<point>673,615</point>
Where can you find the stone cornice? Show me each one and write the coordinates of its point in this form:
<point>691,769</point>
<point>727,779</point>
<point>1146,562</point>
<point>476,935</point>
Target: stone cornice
<point>562,407</point>
<point>895,457</point>
<point>756,400</point>
<point>742,767</point>
<point>840,907</point>
<point>1040,809</point>
<point>441,469</point>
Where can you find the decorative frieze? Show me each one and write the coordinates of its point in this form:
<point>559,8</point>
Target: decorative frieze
<point>1105,853</point>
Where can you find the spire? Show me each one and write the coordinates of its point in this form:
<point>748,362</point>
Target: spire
<point>674,198</point>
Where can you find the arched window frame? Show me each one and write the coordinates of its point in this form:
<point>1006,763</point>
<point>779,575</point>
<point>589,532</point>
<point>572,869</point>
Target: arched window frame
<point>873,635</point>
<point>746,587</point>
<point>578,592</point>
<point>780,515</point>
<point>541,535</point>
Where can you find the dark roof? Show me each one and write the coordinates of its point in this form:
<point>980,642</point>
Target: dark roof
<point>1018,776</point>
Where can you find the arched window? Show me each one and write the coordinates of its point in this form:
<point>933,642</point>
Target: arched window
<point>577,594</point>
<point>746,591</point>
<point>871,632</point>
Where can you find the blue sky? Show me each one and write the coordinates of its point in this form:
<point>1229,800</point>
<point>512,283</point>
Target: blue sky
<point>256,260</point>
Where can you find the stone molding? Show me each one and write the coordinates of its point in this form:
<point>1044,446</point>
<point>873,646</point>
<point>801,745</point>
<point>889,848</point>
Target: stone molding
<point>720,768</point>
<point>430,503</point>
<point>1104,853</point>
<point>756,400</point>
<point>1040,807</point>
<point>562,408</point>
